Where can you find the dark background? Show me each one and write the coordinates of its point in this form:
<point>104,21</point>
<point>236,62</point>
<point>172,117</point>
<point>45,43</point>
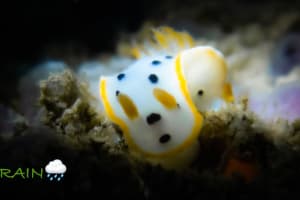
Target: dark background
<point>34,30</point>
<point>30,25</point>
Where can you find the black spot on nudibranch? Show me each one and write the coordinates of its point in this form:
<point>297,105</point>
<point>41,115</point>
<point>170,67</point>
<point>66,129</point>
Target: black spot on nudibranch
<point>156,62</point>
<point>200,92</point>
<point>153,78</point>
<point>117,92</point>
<point>169,57</point>
<point>165,138</point>
<point>152,118</point>
<point>121,76</point>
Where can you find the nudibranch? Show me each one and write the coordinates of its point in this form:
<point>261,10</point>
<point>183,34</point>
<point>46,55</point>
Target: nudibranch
<point>158,100</point>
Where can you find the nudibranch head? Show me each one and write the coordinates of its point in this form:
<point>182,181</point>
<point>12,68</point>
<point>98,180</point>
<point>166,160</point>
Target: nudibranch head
<point>156,101</point>
<point>205,72</point>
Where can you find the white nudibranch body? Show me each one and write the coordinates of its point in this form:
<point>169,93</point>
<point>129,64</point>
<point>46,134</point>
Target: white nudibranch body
<point>158,100</point>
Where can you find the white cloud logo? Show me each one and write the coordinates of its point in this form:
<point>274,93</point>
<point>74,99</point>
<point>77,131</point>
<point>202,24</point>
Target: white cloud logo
<point>56,167</point>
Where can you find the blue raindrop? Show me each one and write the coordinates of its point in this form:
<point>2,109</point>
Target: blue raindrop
<point>48,175</point>
<point>51,178</point>
<point>55,175</point>
<point>58,179</point>
<point>62,175</point>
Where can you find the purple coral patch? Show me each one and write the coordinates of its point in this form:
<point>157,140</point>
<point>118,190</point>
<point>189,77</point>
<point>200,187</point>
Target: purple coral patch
<point>283,102</point>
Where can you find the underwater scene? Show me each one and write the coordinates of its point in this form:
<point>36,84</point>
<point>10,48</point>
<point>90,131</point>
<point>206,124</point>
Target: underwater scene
<point>150,99</point>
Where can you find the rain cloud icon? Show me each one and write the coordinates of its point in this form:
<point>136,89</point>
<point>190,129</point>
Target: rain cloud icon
<point>55,170</point>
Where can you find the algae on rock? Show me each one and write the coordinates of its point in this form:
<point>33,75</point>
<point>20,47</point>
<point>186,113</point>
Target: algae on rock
<point>68,108</point>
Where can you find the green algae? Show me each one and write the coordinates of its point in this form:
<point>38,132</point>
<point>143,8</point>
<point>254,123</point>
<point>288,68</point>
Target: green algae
<point>66,105</point>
